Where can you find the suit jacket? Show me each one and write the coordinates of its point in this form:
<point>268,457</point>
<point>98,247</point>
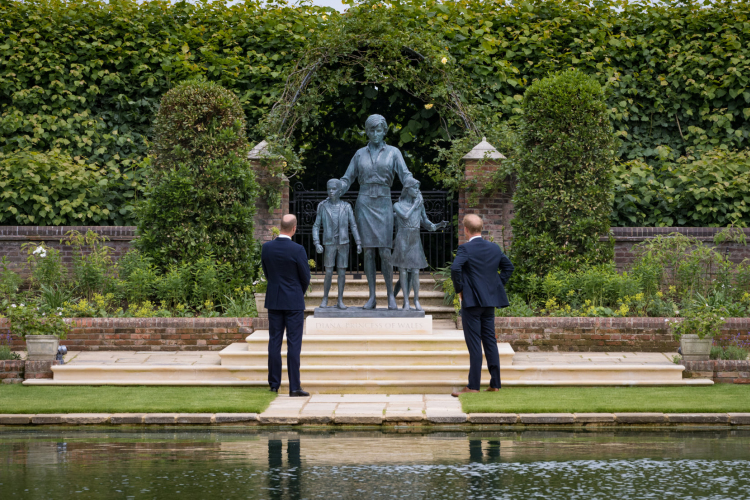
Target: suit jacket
<point>285,266</point>
<point>475,273</point>
<point>346,222</point>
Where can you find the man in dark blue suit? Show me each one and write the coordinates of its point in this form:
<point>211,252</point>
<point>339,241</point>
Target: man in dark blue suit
<point>285,266</point>
<point>476,280</point>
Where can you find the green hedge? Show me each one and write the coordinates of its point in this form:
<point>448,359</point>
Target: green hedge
<point>563,199</point>
<point>86,77</point>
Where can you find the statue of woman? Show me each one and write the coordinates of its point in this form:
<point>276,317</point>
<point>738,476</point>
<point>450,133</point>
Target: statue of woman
<point>374,166</point>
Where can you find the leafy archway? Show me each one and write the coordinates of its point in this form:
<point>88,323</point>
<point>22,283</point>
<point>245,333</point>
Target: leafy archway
<point>371,48</point>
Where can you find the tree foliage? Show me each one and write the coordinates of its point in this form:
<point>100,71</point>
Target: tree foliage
<point>563,198</point>
<point>203,199</point>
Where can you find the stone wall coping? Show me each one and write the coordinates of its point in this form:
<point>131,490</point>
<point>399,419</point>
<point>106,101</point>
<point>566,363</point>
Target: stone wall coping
<point>153,322</point>
<point>523,419</point>
<point>634,322</point>
<point>55,233</point>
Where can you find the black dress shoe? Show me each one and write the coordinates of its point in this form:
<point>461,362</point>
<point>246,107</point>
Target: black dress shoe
<point>298,394</point>
<point>274,389</point>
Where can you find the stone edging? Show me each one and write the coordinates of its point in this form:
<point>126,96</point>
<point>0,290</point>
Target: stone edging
<point>522,419</point>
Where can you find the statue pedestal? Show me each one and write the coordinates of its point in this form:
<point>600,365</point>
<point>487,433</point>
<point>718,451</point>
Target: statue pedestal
<point>348,324</point>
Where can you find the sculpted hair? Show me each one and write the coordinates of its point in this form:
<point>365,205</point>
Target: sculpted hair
<point>473,223</point>
<point>335,181</point>
<point>288,222</point>
<point>375,120</point>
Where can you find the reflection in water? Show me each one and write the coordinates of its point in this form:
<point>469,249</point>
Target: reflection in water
<point>268,464</point>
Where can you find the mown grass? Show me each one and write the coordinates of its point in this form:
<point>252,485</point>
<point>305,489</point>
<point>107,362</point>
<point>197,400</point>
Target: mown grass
<point>132,399</point>
<point>707,399</point>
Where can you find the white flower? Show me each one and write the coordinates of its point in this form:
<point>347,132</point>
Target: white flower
<point>722,319</point>
<point>43,314</point>
<point>666,320</point>
<point>21,305</point>
<point>38,250</point>
<point>325,18</point>
<point>12,305</point>
<point>59,314</point>
<point>676,311</point>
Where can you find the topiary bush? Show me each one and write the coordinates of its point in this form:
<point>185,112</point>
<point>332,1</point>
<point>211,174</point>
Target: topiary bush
<point>202,200</point>
<point>563,199</point>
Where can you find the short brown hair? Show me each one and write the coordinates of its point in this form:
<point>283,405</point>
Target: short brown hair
<point>473,223</point>
<point>288,222</point>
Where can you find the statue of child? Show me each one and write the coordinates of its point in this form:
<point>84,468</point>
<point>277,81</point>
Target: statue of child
<point>336,217</point>
<point>408,254</point>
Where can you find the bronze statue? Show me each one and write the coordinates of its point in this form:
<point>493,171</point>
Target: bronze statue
<point>374,167</point>
<point>337,218</point>
<point>408,254</point>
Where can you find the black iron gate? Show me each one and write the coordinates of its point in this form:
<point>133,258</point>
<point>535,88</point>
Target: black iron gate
<point>438,246</point>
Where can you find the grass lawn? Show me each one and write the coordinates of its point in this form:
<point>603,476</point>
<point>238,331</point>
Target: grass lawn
<point>132,399</point>
<point>717,398</point>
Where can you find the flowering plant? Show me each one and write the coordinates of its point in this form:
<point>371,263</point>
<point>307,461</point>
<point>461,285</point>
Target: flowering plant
<point>28,320</point>
<point>702,320</point>
<point>260,285</point>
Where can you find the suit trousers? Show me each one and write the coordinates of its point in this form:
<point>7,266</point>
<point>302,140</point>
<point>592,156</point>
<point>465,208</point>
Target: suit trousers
<point>479,330</point>
<point>278,321</point>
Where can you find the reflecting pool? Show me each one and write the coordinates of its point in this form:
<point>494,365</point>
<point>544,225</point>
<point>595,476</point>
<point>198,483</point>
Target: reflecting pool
<point>236,462</point>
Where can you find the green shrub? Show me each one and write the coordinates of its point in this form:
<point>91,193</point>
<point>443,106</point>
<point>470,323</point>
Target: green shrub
<point>601,286</point>
<point>564,195</point>
<point>45,265</point>
<point>518,308</point>
<point>710,190</point>
<point>203,200</point>
<point>94,270</point>
<point>10,281</point>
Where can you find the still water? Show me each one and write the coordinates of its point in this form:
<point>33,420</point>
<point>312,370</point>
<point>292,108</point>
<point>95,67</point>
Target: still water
<point>263,464</point>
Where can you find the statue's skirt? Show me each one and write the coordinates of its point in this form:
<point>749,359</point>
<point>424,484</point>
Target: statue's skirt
<point>374,216</point>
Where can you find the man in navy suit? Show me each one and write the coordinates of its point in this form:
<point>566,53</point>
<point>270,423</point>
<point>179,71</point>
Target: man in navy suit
<point>285,266</point>
<point>476,280</point>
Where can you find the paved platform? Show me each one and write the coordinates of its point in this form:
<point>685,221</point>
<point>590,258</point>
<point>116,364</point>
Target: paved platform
<point>186,358</point>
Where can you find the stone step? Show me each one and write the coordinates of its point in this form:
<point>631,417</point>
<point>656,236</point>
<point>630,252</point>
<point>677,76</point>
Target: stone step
<point>371,379</point>
<point>239,354</point>
<point>358,298</point>
<point>437,312</point>
<point>444,340</point>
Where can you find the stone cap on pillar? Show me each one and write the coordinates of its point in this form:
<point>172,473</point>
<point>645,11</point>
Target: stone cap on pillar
<point>484,150</point>
<point>259,150</point>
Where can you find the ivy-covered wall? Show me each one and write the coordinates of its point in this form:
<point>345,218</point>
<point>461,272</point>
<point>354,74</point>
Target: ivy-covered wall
<point>86,77</point>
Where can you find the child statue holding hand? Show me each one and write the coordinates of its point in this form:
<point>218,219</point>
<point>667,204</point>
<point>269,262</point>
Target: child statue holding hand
<point>408,254</point>
<point>337,218</point>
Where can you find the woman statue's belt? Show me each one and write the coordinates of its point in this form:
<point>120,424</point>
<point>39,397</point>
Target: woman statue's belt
<point>374,190</point>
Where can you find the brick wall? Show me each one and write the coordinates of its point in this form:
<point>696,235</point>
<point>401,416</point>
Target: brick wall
<point>39,369</point>
<point>12,238</point>
<point>627,237</point>
<point>496,211</point>
<point>723,372</point>
<point>596,334</point>
<point>151,334</point>
<point>11,372</point>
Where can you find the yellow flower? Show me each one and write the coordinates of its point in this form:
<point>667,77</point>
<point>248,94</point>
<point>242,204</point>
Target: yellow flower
<point>428,106</point>
<point>325,18</point>
<point>659,294</point>
<point>444,60</point>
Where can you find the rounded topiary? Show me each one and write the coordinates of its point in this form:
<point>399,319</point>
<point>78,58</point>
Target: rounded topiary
<point>202,200</point>
<point>563,199</point>
<point>197,122</point>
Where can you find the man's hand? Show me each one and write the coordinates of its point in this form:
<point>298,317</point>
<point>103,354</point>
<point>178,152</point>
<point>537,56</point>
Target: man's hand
<point>359,249</point>
<point>319,248</point>
<point>461,296</point>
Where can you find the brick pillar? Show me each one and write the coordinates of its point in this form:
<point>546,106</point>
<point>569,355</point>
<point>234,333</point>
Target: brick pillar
<point>265,218</point>
<point>496,210</point>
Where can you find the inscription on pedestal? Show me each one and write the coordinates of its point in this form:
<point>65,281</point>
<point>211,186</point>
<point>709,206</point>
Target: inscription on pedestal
<point>368,326</point>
